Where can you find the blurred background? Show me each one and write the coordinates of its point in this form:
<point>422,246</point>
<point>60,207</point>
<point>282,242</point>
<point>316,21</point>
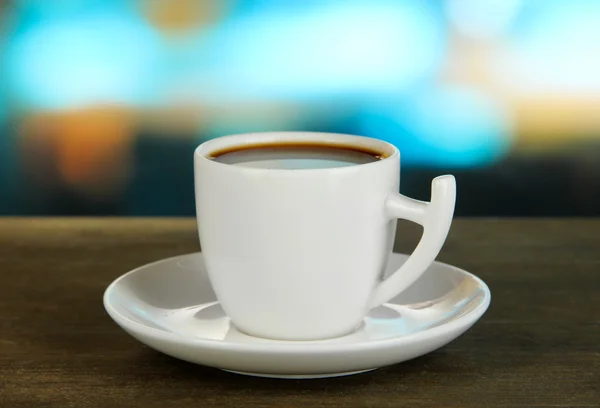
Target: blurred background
<point>102,102</point>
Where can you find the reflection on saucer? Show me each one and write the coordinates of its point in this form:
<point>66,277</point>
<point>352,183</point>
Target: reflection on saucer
<point>209,321</point>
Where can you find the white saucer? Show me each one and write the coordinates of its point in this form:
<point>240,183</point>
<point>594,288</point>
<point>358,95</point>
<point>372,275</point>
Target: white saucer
<point>169,305</point>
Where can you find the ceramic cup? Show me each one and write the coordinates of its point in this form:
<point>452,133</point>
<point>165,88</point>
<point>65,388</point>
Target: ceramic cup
<point>300,254</point>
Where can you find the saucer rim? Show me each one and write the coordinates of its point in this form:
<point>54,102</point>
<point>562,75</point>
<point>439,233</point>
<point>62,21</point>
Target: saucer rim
<point>133,327</point>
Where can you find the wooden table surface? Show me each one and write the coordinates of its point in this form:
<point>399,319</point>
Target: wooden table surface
<point>537,346</point>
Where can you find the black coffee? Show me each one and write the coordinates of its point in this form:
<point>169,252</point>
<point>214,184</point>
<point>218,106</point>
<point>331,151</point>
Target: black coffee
<point>296,156</point>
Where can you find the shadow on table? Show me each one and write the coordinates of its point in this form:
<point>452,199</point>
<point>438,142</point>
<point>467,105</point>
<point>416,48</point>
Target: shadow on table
<point>189,375</point>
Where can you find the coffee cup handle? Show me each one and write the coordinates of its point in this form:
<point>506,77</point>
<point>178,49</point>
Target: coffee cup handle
<point>435,217</point>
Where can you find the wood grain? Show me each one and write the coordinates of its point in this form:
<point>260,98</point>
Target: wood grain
<point>537,346</point>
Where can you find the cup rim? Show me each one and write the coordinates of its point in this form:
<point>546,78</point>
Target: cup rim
<point>204,152</point>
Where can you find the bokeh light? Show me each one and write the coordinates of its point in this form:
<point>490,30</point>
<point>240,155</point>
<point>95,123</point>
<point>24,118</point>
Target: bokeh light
<point>325,50</point>
<point>484,19</point>
<point>186,17</point>
<point>67,61</point>
<point>91,147</point>
<point>447,127</point>
<point>555,50</point>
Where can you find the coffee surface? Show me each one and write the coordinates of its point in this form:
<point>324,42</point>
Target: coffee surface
<point>296,156</point>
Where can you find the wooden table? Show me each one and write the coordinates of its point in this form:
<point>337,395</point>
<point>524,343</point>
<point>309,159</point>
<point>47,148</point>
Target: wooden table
<point>537,346</point>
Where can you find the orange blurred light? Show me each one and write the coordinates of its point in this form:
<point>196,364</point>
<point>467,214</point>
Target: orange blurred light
<point>92,147</point>
<point>182,15</point>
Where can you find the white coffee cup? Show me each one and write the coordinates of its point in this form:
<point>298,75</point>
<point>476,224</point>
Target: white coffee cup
<point>299,254</point>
